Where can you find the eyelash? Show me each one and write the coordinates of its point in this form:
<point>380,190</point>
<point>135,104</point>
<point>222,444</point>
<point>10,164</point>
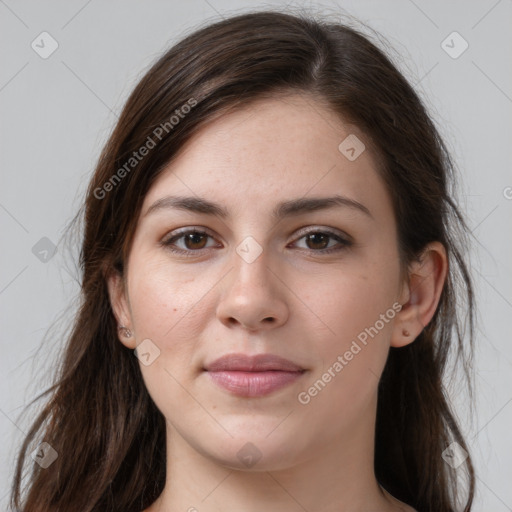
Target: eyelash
<point>344,243</point>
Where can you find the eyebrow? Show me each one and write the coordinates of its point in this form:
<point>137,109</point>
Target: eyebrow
<point>284,209</point>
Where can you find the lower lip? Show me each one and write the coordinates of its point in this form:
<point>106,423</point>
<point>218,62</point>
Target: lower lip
<point>253,384</point>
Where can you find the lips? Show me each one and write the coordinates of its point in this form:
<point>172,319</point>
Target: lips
<point>257,363</point>
<point>253,376</point>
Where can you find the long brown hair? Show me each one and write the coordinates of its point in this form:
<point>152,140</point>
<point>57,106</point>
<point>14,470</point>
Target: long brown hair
<point>99,417</point>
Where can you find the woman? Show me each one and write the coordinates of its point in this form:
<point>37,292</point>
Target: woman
<point>270,230</point>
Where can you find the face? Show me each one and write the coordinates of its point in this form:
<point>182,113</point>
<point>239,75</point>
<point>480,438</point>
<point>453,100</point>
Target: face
<point>319,287</point>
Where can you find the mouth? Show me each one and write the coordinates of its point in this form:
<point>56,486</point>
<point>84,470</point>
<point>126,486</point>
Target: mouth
<point>253,376</point>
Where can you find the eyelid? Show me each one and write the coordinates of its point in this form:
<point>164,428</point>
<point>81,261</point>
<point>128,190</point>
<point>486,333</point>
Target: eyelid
<point>325,229</point>
<point>344,240</point>
<point>180,232</point>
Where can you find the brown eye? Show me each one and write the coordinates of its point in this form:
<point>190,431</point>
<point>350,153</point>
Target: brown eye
<point>195,240</point>
<point>317,240</point>
<point>191,241</point>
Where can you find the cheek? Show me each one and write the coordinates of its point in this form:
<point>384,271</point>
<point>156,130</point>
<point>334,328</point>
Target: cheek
<point>159,297</point>
<point>358,308</point>
<point>351,300</point>
<point>164,306</point>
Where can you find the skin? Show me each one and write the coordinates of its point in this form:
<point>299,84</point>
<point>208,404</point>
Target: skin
<point>316,456</point>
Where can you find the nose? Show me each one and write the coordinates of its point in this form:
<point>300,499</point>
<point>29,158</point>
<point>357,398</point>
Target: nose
<point>254,297</point>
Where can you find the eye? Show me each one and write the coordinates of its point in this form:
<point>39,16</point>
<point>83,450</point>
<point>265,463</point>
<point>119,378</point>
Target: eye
<point>318,241</point>
<point>194,240</point>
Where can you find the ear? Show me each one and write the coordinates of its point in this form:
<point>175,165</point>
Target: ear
<point>420,295</point>
<point>120,306</point>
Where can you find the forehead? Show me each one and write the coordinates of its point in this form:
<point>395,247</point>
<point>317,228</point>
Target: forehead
<point>270,151</point>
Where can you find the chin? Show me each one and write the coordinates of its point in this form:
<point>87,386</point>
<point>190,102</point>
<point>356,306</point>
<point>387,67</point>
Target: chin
<point>251,451</point>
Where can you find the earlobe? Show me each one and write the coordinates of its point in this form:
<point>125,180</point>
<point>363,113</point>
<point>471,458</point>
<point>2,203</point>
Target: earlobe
<point>120,308</point>
<point>421,294</point>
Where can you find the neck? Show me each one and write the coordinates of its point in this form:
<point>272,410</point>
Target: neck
<point>335,475</point>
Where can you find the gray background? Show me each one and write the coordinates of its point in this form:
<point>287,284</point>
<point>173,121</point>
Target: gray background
<point>57,112</point>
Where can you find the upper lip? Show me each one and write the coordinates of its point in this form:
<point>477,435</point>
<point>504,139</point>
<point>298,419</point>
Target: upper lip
<point>256,363</point>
